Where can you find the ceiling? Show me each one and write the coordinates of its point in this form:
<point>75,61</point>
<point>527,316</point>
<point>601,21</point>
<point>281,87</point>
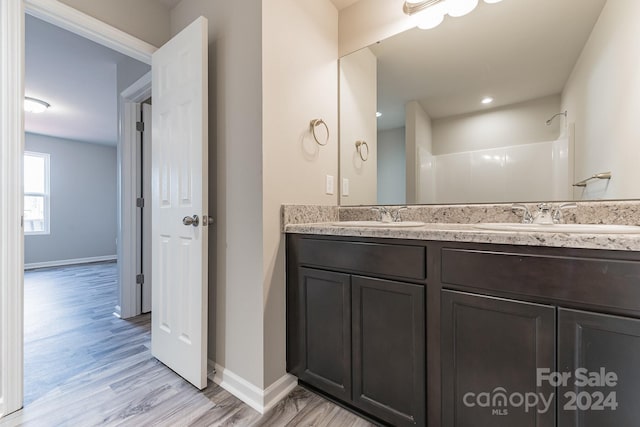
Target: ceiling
<point>514,51</point>
<point>77,77</point>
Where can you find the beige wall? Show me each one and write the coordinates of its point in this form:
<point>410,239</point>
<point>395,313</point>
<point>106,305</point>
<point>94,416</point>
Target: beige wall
<point>147,20</point>
<point>299,83</point>
<point>521,123</point>
<point>235,171</point>
<point>358,102</point>
<point>265,87</point>
<point>369,21</point>
<point>602,98</point>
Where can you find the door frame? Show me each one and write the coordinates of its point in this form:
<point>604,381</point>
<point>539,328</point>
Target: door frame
<point>130,246</point>
<point>12,33</point>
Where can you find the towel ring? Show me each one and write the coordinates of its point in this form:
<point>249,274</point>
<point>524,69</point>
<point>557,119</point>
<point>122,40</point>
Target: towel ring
<point>359,146</point>
<point>313,125</point>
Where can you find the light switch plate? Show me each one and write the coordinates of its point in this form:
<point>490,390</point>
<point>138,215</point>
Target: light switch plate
<point>345,187</point>
<point>329,184</point>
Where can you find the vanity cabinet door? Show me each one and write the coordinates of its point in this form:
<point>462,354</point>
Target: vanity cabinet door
<point>597,342</point>
<point>389,350</point>
<point>491,350</point>
<point>325,331</point>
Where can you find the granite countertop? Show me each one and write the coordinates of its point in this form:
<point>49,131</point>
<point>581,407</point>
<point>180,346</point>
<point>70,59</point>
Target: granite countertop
<point>468,233</point>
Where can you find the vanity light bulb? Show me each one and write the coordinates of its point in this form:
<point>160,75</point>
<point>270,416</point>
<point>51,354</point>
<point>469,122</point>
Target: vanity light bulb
<point>459,8</point>
<point>431,17</point>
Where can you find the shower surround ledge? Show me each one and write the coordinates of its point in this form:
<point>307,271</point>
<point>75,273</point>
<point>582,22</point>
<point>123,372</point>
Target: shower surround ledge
<point>455,223</point>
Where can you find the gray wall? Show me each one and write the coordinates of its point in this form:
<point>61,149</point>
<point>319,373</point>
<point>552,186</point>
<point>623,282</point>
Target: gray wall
<point>83,201</point>
<point>147,20</point>
<point>392,168</point>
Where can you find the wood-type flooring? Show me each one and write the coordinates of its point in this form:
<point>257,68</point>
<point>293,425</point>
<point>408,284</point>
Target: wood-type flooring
<point>86,367</point>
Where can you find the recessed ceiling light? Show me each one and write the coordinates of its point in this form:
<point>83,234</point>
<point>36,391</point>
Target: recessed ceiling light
<point>492,1</point>
<point>33,105</point>
<point>487,100</point>
<point>378,114</point>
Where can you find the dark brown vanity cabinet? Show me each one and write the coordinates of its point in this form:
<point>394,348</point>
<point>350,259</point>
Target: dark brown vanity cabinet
<point>469,345</point>
<point>492,348</point>
<point>606,345</point>
<point>509,313</point>
<point>325,331</point>
<point>388,350</point>
<point>359,338</point>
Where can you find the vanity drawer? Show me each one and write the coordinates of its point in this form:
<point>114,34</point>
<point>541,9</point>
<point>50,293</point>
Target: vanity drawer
<point>603,282</point>
<point>370,258</point>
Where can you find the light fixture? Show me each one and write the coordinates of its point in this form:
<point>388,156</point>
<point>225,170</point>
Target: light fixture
<point>378,114</point>
<point>33,105</point>
<point>487,100</point>
<point>430,13</point>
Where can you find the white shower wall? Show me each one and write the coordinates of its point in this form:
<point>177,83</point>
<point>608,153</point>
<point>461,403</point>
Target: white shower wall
<point>538,171</point>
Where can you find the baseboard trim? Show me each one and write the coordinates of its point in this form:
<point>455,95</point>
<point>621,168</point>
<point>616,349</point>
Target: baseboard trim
<point>63,262</point>
<point>260,400</point>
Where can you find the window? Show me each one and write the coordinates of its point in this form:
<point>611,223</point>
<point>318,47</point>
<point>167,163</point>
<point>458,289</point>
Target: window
<point>36,193</point>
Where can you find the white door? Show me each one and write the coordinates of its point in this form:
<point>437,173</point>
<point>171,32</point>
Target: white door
<point>179,171</point>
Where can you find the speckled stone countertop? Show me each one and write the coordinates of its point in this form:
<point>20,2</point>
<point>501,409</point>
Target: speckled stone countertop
<point>440,229</point>
<point>468,233</point>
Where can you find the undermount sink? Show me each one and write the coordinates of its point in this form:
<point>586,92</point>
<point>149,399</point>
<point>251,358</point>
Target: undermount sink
<point>561,228</point>
<point>379,224</point>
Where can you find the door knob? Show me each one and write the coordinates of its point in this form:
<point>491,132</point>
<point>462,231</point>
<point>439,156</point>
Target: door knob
<point>187,220</point>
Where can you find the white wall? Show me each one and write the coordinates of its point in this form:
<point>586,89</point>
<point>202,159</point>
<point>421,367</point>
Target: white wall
<point>235,181</point>
<point>392,168</point>
<point>602,97</point>
<point>147,20</point>
<point>521,123</point>
<point>358,122</point>
<point>299,83</point>
<point>83,201</point>
<point>418,148</point>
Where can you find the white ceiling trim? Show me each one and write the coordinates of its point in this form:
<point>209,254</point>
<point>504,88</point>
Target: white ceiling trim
<point>79,23</point>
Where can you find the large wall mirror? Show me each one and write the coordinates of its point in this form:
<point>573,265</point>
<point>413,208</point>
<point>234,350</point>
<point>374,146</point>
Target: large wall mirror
<point>516,101</point>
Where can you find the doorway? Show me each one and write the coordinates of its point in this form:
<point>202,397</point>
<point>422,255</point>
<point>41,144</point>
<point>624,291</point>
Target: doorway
<point>78,136</point>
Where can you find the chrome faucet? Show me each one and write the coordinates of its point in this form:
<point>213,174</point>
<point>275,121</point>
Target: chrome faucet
<point>557,216</point>
<point>396,214</point>
<point>386,214</point>
<point>527,218</point>
<point>544,214</point>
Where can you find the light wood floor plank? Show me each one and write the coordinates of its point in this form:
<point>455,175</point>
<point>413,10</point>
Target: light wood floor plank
<point>85,367</point>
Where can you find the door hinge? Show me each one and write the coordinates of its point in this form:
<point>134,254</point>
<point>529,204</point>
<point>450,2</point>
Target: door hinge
<point>140,126</point>
<point>139,279</point>
<point>140,202</point>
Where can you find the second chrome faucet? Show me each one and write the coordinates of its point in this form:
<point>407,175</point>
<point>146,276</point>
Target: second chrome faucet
<point>388,214</point>
<point>546,213</point>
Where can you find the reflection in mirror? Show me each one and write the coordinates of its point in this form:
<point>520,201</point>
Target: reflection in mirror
<point>516,101</point>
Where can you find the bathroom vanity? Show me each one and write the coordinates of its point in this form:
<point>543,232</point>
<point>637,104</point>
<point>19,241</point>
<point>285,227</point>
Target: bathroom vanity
<point>449,325</point>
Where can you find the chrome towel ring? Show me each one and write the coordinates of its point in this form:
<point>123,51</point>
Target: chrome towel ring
<point>360,148</point>
<point>313,125</point>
